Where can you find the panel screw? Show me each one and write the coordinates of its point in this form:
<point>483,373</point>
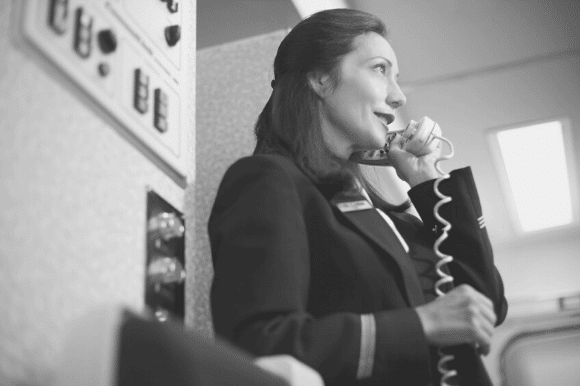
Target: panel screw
<point>104,69</point>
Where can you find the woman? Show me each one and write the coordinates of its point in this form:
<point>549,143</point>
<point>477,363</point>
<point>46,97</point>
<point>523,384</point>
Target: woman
<point>303,268</point>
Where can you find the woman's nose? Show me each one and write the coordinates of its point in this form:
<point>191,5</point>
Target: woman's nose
<point>396,98</point>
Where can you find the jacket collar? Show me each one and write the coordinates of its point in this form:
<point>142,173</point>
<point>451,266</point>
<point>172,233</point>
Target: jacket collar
<point>370,223</point>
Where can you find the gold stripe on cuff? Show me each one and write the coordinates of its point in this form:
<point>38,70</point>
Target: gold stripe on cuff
<point>368,332</point>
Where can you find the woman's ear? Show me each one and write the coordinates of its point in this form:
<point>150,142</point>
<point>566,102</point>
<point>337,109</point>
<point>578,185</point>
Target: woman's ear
<point>319,83</point>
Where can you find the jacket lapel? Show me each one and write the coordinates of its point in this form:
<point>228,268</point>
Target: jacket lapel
<point>369,222</point>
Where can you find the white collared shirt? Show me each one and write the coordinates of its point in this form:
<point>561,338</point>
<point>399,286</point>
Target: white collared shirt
<point>388,220</point>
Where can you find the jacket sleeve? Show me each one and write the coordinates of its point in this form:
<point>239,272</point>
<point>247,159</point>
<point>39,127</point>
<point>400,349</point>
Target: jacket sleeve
<point>259,295</point>
<point>468,241</point>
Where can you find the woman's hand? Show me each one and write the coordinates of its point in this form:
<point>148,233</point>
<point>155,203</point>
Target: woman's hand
<point>410,168</point>
<point>463,315</point>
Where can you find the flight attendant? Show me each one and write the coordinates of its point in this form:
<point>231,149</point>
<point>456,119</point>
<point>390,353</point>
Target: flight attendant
<point>310,260</point>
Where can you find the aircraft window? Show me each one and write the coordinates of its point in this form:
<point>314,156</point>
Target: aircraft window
<point>536,169</point>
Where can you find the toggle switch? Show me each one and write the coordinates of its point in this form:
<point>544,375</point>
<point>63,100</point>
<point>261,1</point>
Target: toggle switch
<point>83,33</point>
<point>160,110</point>
<point>166,225</point>
<point>166,270</point>
<point>107,41</point>
<point>58,15</point>
<point>172,5</point>
<point>141,91</point>
<point>172,34</point>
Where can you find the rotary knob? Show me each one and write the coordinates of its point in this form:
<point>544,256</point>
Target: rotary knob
<point>166,226</point>
<point>107,41</point>
<point>172,34</point>
<point>166,270</point>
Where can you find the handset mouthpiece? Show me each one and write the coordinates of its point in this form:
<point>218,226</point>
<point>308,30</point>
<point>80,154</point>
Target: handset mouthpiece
<point>377,157</point>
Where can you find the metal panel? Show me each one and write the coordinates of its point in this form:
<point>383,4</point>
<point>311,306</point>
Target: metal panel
<point>127,58</point>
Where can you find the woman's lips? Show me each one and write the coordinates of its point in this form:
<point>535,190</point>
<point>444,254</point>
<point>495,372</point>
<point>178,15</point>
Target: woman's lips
<point>386,119</point>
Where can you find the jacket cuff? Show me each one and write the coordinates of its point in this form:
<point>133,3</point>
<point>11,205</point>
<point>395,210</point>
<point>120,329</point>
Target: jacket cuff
<point>402,354</point>
<point>424,198</point>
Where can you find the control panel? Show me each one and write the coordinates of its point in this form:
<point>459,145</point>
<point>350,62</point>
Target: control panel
<point>128,57</point>
<point>165,260</point>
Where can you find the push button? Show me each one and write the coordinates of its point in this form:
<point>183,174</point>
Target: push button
<point>83,33</point>
<point>172,34</point>
<point>160,123</point>
<point>172,5</point>
<point>141,91</point>
<point>58,15</point>
<point>107,41</point>
<point>160,110</point>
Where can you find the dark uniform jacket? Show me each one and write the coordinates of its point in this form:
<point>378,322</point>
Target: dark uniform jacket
<point>295,274</point>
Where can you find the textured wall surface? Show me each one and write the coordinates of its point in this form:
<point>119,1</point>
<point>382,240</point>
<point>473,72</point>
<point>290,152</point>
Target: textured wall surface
<point>233,84</point>
<point>72,211</point>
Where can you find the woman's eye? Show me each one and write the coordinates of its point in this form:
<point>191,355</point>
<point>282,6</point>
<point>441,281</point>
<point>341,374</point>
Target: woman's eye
<point>382,68</point>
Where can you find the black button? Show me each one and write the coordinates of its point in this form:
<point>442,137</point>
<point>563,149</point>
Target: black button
<point>172,6</point>
<point>172,34</point>
<point>107,41</point>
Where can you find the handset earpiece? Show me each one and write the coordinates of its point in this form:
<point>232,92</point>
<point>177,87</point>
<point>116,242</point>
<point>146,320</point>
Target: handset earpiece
<point>420,138</point>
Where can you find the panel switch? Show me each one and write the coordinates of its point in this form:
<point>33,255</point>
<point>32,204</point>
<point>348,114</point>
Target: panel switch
<point>141,91</point>
<point>160,111</point>
<point>172,5</point>
<point>58,15</point>
<point>83,33</point>
<point>107,41</point>
<point>172,34</point>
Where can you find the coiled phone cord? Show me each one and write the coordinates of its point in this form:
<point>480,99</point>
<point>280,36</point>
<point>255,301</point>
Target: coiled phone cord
<point>375,157</point>
<point>444,359</point>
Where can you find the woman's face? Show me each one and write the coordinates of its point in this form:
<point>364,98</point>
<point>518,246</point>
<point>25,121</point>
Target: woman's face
<point>366,96</point>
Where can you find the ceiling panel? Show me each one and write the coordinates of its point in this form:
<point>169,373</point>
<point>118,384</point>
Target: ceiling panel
<point>438,38</point>
<point>222,21</point>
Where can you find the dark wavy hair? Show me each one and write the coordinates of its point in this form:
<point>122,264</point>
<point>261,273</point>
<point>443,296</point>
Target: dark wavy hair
<point>290,123</point>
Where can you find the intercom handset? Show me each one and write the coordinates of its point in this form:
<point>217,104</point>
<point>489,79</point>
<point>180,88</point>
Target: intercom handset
<point>419,138</point>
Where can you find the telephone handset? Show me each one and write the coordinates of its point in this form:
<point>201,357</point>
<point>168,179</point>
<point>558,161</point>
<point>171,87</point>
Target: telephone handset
<point>421,138</point>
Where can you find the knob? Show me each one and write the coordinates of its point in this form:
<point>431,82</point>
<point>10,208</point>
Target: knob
<point>107,41</point>
<point>166,225</point>
<point>172,6</point>
<point>172,34</point>
<point>166,270</point>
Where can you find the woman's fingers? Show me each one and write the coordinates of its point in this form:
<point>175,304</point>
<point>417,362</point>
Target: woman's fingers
<point>482,317</point>
<point>483,305</point>
<point>488,310</point>
<point>463,315</point>
<point>483,337</point>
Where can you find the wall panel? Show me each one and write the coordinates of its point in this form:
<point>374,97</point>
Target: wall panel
<point>233,84</point>
<point>72,210</point>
